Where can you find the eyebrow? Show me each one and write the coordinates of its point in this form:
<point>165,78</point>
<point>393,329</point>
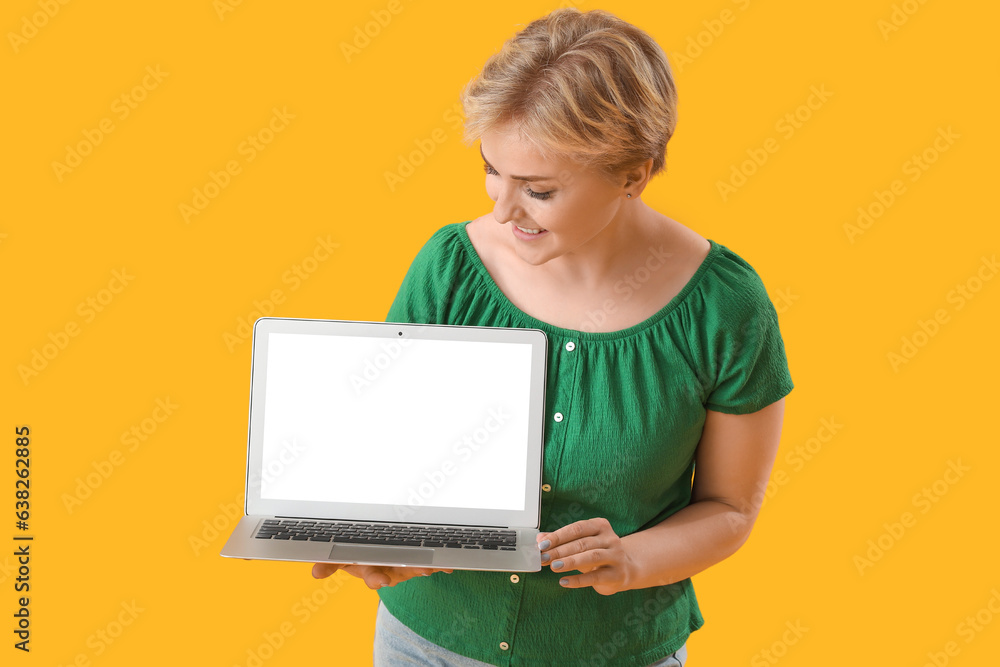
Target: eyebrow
<point>518,178</point>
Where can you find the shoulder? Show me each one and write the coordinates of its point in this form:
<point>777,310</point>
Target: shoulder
<point>434,275</point>
<point>733,280</point>
<point>735,310</point>
<point>441,250</point>
<point>444,238</point>
<point>720,287</point>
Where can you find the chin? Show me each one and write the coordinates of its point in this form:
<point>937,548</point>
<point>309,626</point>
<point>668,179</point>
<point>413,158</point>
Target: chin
<point>535,261</point>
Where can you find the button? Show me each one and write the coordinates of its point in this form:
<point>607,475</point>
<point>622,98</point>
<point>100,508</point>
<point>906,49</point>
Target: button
<point>504,646</point>
<point>514,578</point>
<point>570,346</point>
<point>546,487</point>
<point>557,416</point>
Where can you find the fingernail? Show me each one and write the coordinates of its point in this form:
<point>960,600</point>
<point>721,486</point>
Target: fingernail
<point>557,565</point>
<point>563,582</point>
<point>427,574</point>
<point>544,544</point>
<point>545,558</point>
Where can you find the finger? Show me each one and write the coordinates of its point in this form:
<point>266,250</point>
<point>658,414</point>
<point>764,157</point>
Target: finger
<point>596,578</point>
<point>376,577</point>
<point>398,574</point>
<point>571,532</point>
<point>584,561</point>
<point>410,572</point>
<point>362,572</point>
<point>582,545</point>
<point>439,570</point>
<point>324,570</point>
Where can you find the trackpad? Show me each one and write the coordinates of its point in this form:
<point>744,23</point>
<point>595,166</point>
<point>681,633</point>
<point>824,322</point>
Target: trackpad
<point>350,553</point>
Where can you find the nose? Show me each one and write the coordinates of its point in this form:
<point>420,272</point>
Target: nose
<point>505,209</point>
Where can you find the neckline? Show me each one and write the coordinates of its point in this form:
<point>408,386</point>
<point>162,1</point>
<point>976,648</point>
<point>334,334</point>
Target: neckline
<point>576,334</point>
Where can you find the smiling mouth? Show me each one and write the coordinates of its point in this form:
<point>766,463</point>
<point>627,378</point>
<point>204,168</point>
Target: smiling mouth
<point>528,230</point>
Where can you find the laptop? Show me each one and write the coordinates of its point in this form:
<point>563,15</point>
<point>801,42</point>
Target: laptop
<point>394,444</point>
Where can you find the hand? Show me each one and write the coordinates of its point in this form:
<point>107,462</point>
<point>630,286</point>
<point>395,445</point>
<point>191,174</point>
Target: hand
<point>592,547</point>
<point>374,576</point>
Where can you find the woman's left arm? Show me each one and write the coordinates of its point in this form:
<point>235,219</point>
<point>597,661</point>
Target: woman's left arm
<point>733,463</point>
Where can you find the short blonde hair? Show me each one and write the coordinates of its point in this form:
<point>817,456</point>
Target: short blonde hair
<point>586,86</point>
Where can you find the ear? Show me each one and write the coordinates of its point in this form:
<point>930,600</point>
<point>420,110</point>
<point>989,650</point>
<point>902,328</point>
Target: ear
<point>636,178</point>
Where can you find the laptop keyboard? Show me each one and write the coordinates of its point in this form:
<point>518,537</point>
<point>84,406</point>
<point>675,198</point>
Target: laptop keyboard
<point>393,534</point>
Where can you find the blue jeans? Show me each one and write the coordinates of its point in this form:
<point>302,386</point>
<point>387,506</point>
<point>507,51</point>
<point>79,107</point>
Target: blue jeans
<point>396,644</point>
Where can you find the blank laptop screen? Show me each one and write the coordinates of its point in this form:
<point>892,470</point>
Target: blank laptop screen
<point>396,422</point>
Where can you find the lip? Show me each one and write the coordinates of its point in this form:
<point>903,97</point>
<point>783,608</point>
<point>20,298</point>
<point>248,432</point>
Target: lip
<point>526,237</point>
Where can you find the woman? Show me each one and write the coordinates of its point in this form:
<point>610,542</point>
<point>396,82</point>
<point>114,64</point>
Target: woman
<point>665,357</point>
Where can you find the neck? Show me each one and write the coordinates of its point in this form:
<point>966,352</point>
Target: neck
<point>603,259</point>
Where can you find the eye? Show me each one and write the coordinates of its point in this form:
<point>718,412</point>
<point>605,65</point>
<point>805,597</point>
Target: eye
<point>538,195</point>
<point>490,171</point>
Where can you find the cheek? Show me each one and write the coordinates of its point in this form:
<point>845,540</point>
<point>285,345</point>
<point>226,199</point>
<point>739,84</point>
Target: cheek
<point>582,216</point>
<point>492,189</point>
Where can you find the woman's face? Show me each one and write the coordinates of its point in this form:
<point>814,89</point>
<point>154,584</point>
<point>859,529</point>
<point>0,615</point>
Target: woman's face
<point>571,204</point>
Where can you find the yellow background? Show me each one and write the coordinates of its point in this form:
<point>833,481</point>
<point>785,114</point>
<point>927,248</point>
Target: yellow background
<point>844,306</point>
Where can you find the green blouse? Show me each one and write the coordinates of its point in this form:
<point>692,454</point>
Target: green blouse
<point>625,411</point>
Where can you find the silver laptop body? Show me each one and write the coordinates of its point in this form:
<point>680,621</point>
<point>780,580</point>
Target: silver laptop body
<point>432,432</point>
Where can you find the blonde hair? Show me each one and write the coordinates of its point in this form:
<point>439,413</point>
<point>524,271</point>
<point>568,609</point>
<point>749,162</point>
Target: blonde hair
<point>586,86</point>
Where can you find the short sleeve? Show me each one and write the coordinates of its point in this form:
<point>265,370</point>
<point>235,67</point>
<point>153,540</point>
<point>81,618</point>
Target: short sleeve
<point>748,352</point>
<point>424,295</point>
